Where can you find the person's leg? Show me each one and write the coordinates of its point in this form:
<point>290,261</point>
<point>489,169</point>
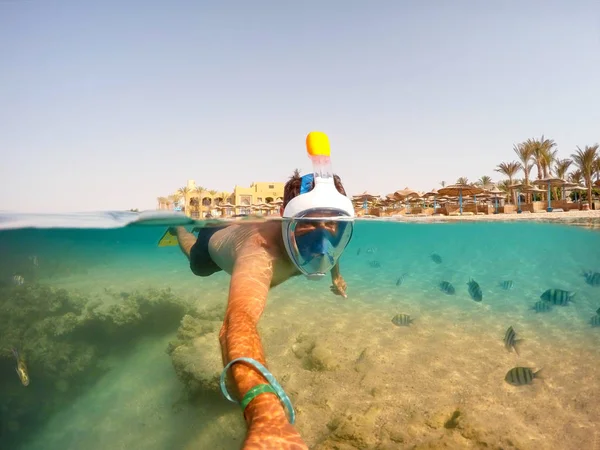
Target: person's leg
<point>185,239</point>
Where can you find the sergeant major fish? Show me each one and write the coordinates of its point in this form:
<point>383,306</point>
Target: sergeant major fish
<point>558,297</point>
<point>592,278</point>
<point>447,288</point>
<point>400,279</point>
<point>541,306</point>
<point>519,376</point>
<point>402,320</point>
<point>595,321</point>
<point>475,290</point>
<point>436,258</point>
<point>21,368</point>
<point>507,285</point>
<point>510,339</point>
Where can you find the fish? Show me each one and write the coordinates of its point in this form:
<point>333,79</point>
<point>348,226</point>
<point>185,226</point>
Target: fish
<point>375,264</point>
<point>371,249</point>
<point>447,288</point>
<point>475,290</point>
<point>358,252</point>
<point>507,285</point>
<point>510,339</point>
<point>598,311</point>
<point>400,279</point>
<point>21,368</point>
<point>542,307</point>
<point>18,280</point>
<point>595,321</point>
<point>558,296</point>
<point>519,376</point>
<point>402,320</point>
<point>592,278</point>
<point>436,258</point>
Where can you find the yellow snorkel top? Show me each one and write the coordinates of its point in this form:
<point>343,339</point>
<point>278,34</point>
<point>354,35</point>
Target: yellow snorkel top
<point>317,144</point>
<point>319,151</point>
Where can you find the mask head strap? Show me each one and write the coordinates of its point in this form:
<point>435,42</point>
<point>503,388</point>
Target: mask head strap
<point>307,181</point>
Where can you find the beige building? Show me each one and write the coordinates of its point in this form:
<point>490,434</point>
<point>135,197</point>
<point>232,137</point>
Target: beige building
<point>262,197</point>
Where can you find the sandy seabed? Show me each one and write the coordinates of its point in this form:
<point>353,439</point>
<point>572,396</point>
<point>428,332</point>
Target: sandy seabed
<point>359,382</point>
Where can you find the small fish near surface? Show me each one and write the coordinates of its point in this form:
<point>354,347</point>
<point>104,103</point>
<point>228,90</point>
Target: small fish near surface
<point>595,321</point>
<point>507,285</point>
<point>21,368</point>
<point>402,320</point>
<point>400,279</point>
<point>520,376</point>
<point>510,340</point>
<point>558,297</point>
<point>358,252</point>
<point>436,258</point>
<point>541,306</point>
<point>447,288</point>
<point>592,278</point>
<point>475,290</point>
<point>375,264</point>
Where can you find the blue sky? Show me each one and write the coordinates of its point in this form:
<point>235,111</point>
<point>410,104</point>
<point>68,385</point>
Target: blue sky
<point>109,104</point>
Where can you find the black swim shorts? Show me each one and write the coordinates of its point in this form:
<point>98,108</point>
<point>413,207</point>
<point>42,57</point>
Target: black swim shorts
<point>200,261</point>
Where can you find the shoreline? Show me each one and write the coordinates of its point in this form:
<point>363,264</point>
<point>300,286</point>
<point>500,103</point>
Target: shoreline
<point>567,217</point>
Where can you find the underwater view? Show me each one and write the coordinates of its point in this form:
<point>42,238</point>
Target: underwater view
<point>453,335</point>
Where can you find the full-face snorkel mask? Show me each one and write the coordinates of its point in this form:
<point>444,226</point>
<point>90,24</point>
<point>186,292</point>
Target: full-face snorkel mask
<point>318,223</point>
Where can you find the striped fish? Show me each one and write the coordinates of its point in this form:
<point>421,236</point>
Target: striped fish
<point>519,376</point>
<point>18,280</point>
<point>595,321</point>
<point>436,258</point>
<point>558,296</point>
<point>447,288</point>
<point>402,320</point>
<point>542,307</point>
<point>592,278</point>
<point>400,279</point>
<point>507,285</point>
<point>375,264</point>
<point>475,290</point>
<point>510,339</point>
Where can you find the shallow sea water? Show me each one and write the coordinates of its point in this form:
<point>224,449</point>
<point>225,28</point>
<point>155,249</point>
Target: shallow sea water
<point>133,372</point>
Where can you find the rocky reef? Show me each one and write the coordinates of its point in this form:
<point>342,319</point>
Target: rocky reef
<point>65,338</point>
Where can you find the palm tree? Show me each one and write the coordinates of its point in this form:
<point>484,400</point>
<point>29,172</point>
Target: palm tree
<point>509,170</point>
<point>576,177</point>
<point>484,182</point>
<point>561,166</point>
<point>185,193</point>
<point>542,154</point>
<point>524,151</point>
<point>585,161</point>
<point>462,180</point>
<point>597,169</point>
<point>161,201</point>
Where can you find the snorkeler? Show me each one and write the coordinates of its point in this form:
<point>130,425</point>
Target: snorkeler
<point>317,225</point>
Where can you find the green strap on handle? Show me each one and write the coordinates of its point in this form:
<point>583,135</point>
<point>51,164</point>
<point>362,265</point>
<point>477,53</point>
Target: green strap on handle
<point>255,392</point>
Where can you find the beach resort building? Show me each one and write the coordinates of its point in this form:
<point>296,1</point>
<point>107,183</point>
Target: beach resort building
<point>262,197</point>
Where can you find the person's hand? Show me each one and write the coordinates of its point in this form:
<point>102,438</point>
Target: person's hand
<point>339,286</point>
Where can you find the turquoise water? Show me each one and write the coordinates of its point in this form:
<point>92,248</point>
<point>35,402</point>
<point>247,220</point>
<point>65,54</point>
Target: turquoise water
<point>120,339</point>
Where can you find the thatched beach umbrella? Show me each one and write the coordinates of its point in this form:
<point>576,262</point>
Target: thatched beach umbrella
<point>550,181</point>
<point>496,194</point>
<point>364,198</point>
<point>460,190</point>
<point>432,193</point>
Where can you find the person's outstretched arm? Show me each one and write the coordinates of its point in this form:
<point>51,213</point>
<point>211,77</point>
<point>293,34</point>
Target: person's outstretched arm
<point>338,284</point>
<point>268,426</point>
